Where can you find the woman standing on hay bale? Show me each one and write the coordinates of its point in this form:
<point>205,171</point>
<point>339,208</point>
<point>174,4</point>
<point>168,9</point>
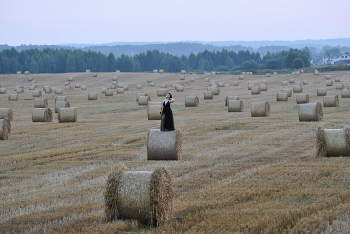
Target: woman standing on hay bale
<point>167,122</point>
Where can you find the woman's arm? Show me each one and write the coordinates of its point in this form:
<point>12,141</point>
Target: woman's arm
<point>171,100</point>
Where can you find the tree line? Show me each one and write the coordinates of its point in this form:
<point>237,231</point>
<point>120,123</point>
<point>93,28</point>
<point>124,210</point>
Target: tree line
<point>51,60</point>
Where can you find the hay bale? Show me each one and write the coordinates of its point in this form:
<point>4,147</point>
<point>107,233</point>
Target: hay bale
<point>213,84</point>
<point>153,109</point>
<point>321,92</point>
<point>263,87</point>
<point>297,83</point>
<point>305,82</point>
<point>68,87</point>
<point>182,77</point>
<point>191,79</point>
<point>6,113</point>
<point>58,91</point>
<point>120,86</point>
<point>92,96</point>
<point>288,91</point>
<point>235,106</point>
<point>30,78</point>
<point>164,86</point>
<point>103,90</point>
<point>61,104</point>
<point>20,90</point>
<point>37,93</point>
<point>180,88</point>
<point>331,101</point>
<point>94,75</point>
<point>126,87</point>
<point>117,71</point>
<point>212,73</point>
<point>256,90</point>
<point>228,98</point>
<point>67,115</point>
<point>149,80</point>
<point>208,94</point>
<point>207,79</point>
<point>70,78</point>
<point>216,91</point>
<point>221,84</point>
<point>243,73</point>
<point>66,83</point>
<point>143,100</point>
<point>112,86</point>
<point>109,92</point>
<point>345,93</point>
<point>297,73</point>
<point>83,87</point>
<point>191,101</point>
<point>138,86</point>
<point>284,82</point>
<point>328,77</point>
<point>183,72</point>
<point>164,145</point>
<point>54,89</point>
<point>143,195</point>
<point>19,73</point>
<point>241,77</point>
<point>26,72</point>
<point>2,90</point>
<point>260,109</point>
<point>88,71</point>
<point>13,97</point>
<point>337,79</point>
<point>161,71</point>
<point>114,78</point>
<point>5,129</point>
<point>275,73</point>
<point>138,95</point>
<point>32,87</point>
<point>48,90</point>
<point>235,83</point>
<point>297,89</point>
<point>42,115</point>
<point>41,103</point>
<point>310,112</point>
<point>162,92</point>
<point>282,97</point>
<point>333,142</point>
<point>339,86</point>
<point>302,98</point>
<point>60,98</point>
<point>227,85</point>
<point>120,90</point>
<point>152,84</point>
<point>268,74</point>
<point>329,83</point>
<point>316,73</point>
<point>291,81</point>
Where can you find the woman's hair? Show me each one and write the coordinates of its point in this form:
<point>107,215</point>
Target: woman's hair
<point>171,96</point>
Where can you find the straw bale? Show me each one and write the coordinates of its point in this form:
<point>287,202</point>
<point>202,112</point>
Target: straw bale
<point>243,73</point>
<point>302,98</point>
<point>191,101</point>
<point>143,100</point>
<point>310,112</point>
<point>228,98</point>
<point>83,87</point>
<point>297,89</point>
<point>339,86</point>
<point>282,97</point>
<point>213,84</point>
<point>26,72</point>
<point>191,79</point>
<point>120,90</point>
<point>5,129</point>
<point>329,83</point>
<point>125,87</point>
<point>66,83</point>
<point>149,80</point>
<point>212,73</point>
<point>70,78</point>
<point>30,78</point>
<point>316,73</point>
<point>235,83</point>
<point>61,104</point>
<point>260,109</point>
<point>305,82</point>
<point>152,84</point>
<point>88,71</point>
<point>164,145</point>
<point>114,78</point>
<point>227,85</point>
<point>117,71</point>
<point>40,103</point>
<point>298,73</point>
<point>37,93</point>
<point>275,73</point>
<point>92,96</point>
<point>67,115</point>
<point>208,94</point>
<point>20,90</point>
<point>256,90</point>
<point>109,92</point>
<point>297,82</point>
<point>268,74</point>
<point>140,94</point>
<point>161,71</point>
<point>331,101</point>
<point>112,86</point>
<point>182,77</point>
<point>164,86</point>
<point>48,90</point>
<point>13,97</point>
<point>328,77</point>
<point>221,84</point>
<point>235,106</point>
<point>263,82</point>
<point>153,109</point>
<point>345,93</point>
<point>54,89</point>
<point>32,87</point>
<point>321,92</point>
<point>103,90</point>
<point>216,91</point>
<point>291,80</point>
<point>19,73</point>
<point>333,142</point>
<point>6,113</point>
<point>250,86</point>
<point>138,86</point>
<point>263,87</point>
<point>68,87</point>
<point>183,72</point>
<point>60,98</point>
<point>120,86</point>
<point>284,82</point>
<point>337,79</point>
<point>42,115</point>
<point>162,92</point>
<point>207,79</point>
<point>94,75</point>
<point>58,91</point>
<point>289,91</point>
<point>241,77</point>
<point>2,90</point>
<point>180,88</point>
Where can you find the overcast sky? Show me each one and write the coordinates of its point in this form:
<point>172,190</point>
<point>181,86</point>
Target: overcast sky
<point>103,21</point>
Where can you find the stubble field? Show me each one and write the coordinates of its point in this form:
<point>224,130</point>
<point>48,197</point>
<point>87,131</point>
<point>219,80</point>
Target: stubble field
<point>237,174</point>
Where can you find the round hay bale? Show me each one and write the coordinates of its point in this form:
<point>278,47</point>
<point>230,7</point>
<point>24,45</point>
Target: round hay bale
<point>297,89</point>
<point>143,100</point>
<point>2,90</point>
<point>20,90</point>
<point>114,78</point>
<point>162,92</point>
<point>66,83</point>
<point>61,104</point>
<point>208,94</point>
<point>213,84</point>
<point>256,90</point>
<point>126,87</point>
<point>48,90</point>
<point>164,145</point>
<point>88,71</point>
<point>345,93</point>
<point>331,101</point>
<point>316,73</point>
<point>268,74</point>
<point>183,72</point>
<point>143,195</point>
<point>41,103</point>
<point>114,83</point>
<point>310,112</point>
<point>333,142</point>
<point>329,83</point>
<point>138,95</point>
<point>60,98</point>
<point>250,86</point>
<point>138,86</point>
<point>263,87</point>
<point>149,80</point>
<point>67,87</point>
<point>191,79</point>
<point>221,84</point>
<point>180,88</point>
<point>70,78</point>
<point>13,97</point>
<point>5,129</point>
<point>321,92</point>
<point>6,113</point>
<point>163,86</point>
<point>112,86</point>
<point>42,115</point>
<point>19,73</point>
<point>109,92</point>
<point>94,75</point>
<point>284,82</point>
<point>288,91</point>
<point>302,98</point>
<point>161,71</point>
<point>243,73</point>
<point>92,96</point>
<point>339,86</point>
<point>67,115</point>
<point>282,97</point>
<point>228,98</point>
<point>191,101</point>
<point>58,91</point>
<point>235,106</point>
<point>263,82</point>
<point>37,93</point>
<point>297,83</point>
<point>260,109</point>
<point>120,86</point>
<point>275,73</point>
<point>207,79</point>
<point>26,72</point>
<point>216,91</point>
<point>291,80</point>
<point>103,90</point>
<point>182,77</point>
<point>297,73</point>
<point>241,77</point>
<point>30,78</point>
<point>235,83</point>
<point>227,85</point>
<point>153,109</point>
<point>152,84</point>
<point>54,89</point>
<point>32,87</point>
<point>328,77</point>
<point>155,71</point>
<point>305,82</point>
<point>83,87</point>
<point>337,79</point>
<point>120,90</point>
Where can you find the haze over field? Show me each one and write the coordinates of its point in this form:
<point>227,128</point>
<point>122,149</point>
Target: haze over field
<point>91,22</point>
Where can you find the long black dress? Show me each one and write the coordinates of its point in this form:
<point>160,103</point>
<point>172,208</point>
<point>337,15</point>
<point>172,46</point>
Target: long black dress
<point>167,122</point>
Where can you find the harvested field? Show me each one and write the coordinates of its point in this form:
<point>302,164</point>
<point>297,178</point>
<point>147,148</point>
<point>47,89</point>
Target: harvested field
<point>237,174</point>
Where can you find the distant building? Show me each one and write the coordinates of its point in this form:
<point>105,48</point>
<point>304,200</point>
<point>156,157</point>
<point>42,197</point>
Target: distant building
<point>338,57</point>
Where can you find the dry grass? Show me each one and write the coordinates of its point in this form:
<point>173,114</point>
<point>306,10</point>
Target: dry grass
<point>237,174</point>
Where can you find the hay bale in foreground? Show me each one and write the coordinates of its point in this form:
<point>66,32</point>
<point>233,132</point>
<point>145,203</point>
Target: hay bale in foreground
<point>260,109</point>
<point>40,103</point>
<point>13,97</point>
<point>61,104</point>
<point>143,100</point>
<point>42,115</point>
<point>92,96</point>
<point>67,115</point>
<point>5,129</point>
<point>162,92</point>
<point>228,98</point>
<point>310,112</point>
<point>282,97</point>
<point>321,92</point>
<point>302,98</point>
<point>235,106</point>
<point>208,94</point>
<point>164,145</point>
<point>143,195</point>
<point>191,101</point>
<point>331,101</point>
<point>6,113</point>
<point>153,109</point>
<point>333,142</point>
<point>339,86</point>
<point>345,93</point>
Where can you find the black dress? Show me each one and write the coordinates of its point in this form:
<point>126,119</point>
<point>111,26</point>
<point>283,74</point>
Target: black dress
<point>167,122</point>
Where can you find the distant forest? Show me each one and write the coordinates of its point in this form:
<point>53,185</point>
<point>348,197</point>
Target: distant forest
<point>50,60</point>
